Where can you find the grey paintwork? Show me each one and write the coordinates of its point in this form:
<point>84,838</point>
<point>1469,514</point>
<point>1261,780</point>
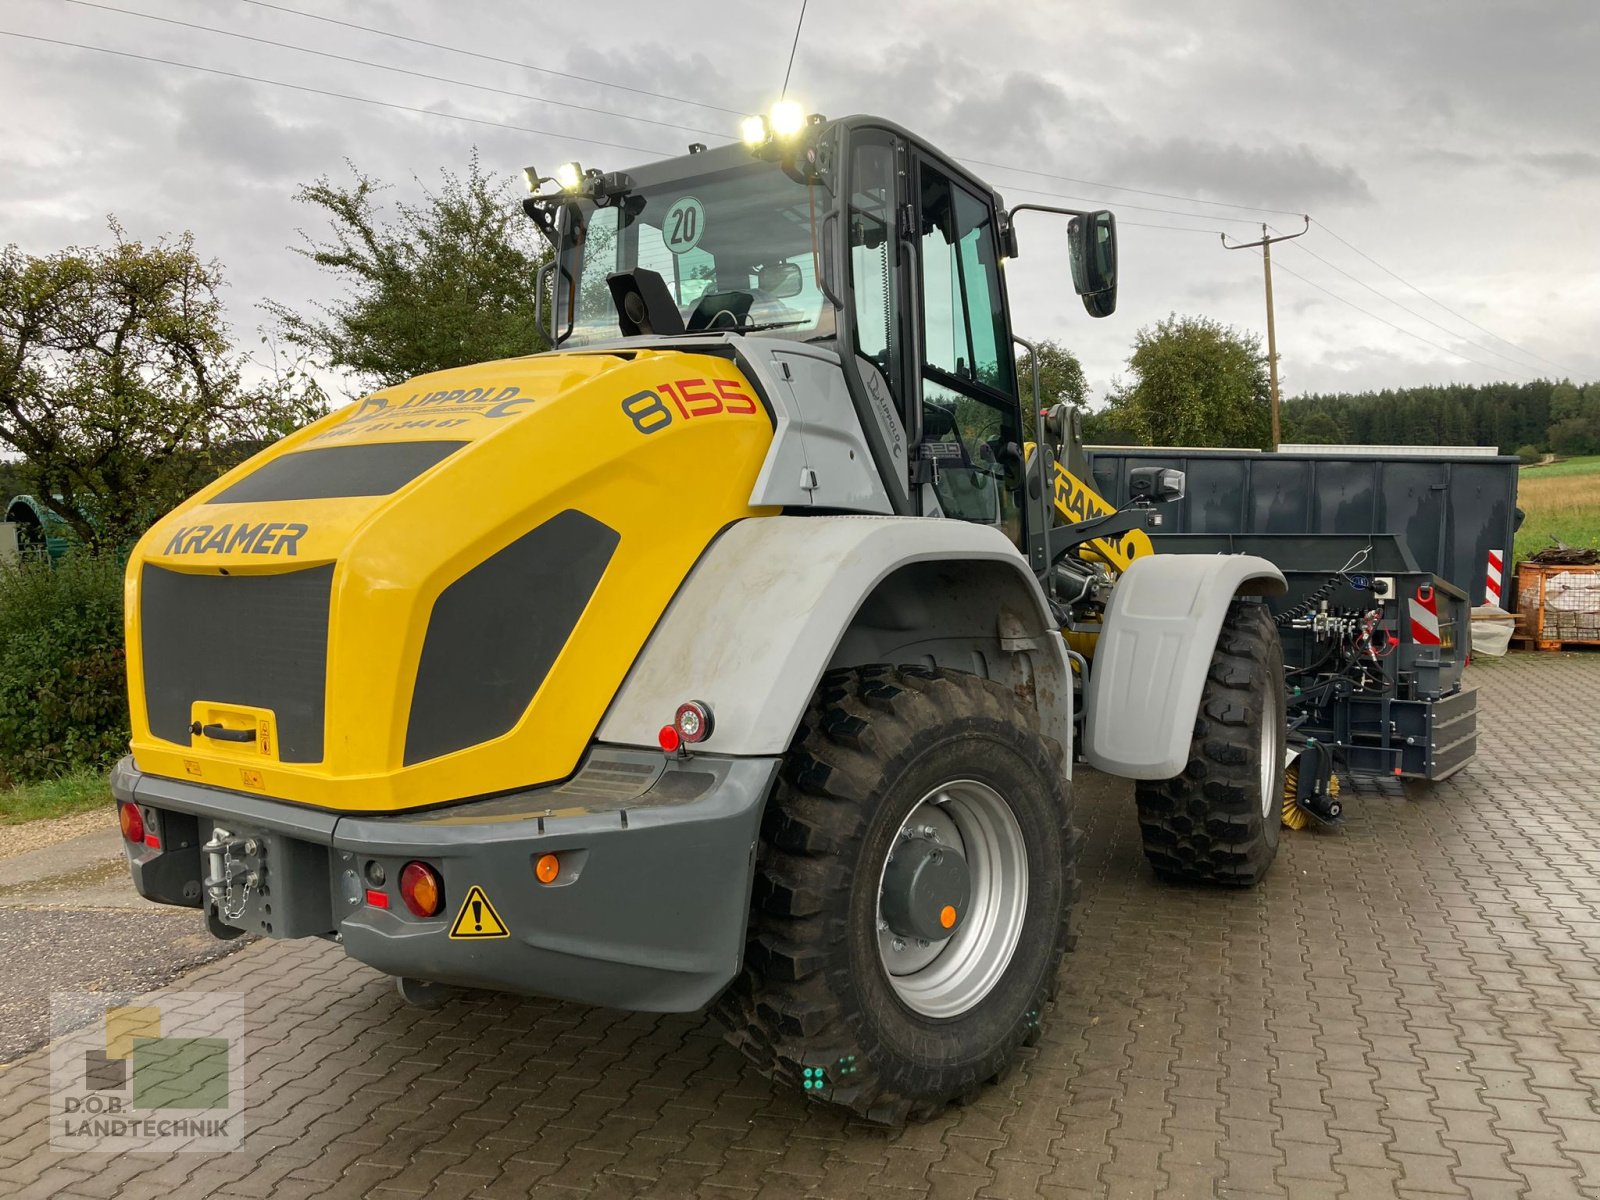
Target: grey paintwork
<point>816,426</point>
<point>1155,649</point>
<point>776,601</point>
<point>648,913</point>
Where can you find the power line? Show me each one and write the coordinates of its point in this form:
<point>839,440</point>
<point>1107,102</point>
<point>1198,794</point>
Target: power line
<point>793,46</point>
<point>718,108</point>
<point>1117,187</point>
<point>1413,312</point>
<point>1392,325</point>
<point>736,112</point>
<point>1170,228</point>
<point>1171,212</point>
<point>366,62</point>
<point>297,87</point>
<point>508,62</point>
<point>1440,303</point>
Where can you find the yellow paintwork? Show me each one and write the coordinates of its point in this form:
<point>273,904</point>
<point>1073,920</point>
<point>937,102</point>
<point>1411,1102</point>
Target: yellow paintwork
<point>1077,501</point>
<point>545,434</point>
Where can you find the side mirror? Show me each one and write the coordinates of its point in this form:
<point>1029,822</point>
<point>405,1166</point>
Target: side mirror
<point>780,280</point>
<point>1093,248</point>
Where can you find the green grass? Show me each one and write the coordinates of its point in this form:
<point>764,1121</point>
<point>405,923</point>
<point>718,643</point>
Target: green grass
<point>1587,465</point>
<point>76,792</point>
<point>1562,500</point>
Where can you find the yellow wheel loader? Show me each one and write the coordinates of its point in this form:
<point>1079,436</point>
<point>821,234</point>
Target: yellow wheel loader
<point>714,657</point>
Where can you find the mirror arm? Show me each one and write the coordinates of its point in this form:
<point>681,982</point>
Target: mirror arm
<point>1011,214</point>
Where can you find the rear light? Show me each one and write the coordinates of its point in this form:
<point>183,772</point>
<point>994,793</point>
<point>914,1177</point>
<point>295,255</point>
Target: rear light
<point>132,821</point>
<point>377,899</point>
<point>669,739</point>
<point>693,721</point>
<point>421,889</point>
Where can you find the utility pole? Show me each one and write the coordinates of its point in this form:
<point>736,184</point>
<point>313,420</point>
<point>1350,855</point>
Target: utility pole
<point>1272,333</point>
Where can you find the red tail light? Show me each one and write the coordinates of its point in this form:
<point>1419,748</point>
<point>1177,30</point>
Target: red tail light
<point>421,889</point>
<point>132,821</point>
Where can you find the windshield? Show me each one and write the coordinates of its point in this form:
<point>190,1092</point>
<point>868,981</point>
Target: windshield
<point>737,248</point>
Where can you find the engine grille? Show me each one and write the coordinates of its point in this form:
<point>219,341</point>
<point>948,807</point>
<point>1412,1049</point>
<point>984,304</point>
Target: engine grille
<point>494,633</point>
<point>255,640</point>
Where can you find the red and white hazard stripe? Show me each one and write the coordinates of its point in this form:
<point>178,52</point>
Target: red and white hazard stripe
<point>1424,617</point>
<point>1493,587</point>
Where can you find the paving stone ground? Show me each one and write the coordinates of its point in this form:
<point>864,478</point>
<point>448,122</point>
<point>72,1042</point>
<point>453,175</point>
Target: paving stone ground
<point>1409,1007</point>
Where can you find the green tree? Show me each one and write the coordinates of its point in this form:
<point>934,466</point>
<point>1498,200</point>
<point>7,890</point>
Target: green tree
<point>441,283</point>
<point>1060,379</point>
<point>119,386</point>
<point>1316,428</point>
<point>1196,382</point>
<point>1566,402</point>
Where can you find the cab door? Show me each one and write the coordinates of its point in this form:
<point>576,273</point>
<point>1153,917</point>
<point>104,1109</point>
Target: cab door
<point>965,376</point>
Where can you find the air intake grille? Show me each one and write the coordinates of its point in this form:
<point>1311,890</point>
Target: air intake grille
<point>495,633</point>
<point>255,640</point>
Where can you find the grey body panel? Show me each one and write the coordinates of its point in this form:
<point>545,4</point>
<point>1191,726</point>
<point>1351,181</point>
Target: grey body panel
<point>648,913</point>
<point>1155,649</point>
<point>776,601</point>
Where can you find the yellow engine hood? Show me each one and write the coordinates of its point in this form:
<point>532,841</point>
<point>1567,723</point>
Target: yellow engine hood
<point>435,592</point>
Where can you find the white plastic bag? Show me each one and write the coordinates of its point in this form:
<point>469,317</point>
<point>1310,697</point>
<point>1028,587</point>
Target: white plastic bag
<point>1491,630</point>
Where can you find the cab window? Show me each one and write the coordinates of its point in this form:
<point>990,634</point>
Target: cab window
<point>969,409</point>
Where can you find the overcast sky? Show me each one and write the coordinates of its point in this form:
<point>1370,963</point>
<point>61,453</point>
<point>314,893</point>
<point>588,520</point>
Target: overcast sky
<point>1454,142</point>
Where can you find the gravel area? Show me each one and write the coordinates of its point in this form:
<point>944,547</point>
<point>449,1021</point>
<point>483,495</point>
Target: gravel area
<point>33,835</point>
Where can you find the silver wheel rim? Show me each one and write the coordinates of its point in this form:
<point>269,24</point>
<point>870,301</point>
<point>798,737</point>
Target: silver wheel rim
<point>949,977</point>
<point>1271,753</point>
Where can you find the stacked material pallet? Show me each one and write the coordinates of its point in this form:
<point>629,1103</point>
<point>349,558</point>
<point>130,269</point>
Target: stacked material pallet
<point>1558,605</point>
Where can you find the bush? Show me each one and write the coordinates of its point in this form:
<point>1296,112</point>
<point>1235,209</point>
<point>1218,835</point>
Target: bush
<point>63,677</point>
<point>1575,436</point>
<point>1529,454</point>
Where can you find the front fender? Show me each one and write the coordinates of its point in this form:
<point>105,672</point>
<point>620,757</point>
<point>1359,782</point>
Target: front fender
<point>1154,651</point>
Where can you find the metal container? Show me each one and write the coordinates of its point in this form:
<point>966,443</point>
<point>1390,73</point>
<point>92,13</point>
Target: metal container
<point>1449,507</point>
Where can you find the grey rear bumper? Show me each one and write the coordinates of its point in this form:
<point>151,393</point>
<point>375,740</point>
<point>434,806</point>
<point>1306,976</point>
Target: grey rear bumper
<point>648,911</point>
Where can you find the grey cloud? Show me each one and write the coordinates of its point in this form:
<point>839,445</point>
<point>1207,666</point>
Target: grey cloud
<point>1279,175</point>
<point>225,124</point>
<point>1569,164</point>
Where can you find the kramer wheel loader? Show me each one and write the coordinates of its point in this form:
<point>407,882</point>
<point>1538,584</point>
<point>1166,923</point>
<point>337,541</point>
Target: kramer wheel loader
<point>714,657</point>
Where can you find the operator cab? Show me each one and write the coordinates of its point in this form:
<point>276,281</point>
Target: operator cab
<point>852,235</point>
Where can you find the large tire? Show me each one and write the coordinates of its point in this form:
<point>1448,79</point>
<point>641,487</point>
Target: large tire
<point>1218,822</point>
<point>815,1006</point>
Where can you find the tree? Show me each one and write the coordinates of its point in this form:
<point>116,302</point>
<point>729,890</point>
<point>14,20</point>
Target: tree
<point>1316,428</point>
<point>442,283</point>
<point>119,386</point>
<point>1196,382</point>
<point>1060,379</point>
<point>1575,435</point>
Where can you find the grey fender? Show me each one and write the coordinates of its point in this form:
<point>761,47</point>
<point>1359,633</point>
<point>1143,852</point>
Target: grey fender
<point>777,601</point>
<point>1154,652</point>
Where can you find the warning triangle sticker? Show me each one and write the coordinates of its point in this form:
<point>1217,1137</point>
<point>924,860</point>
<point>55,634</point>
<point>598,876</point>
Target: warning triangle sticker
<point>477,918</point>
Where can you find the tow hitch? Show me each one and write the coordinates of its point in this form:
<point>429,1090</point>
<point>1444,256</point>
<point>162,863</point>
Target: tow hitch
<point>234,870</point>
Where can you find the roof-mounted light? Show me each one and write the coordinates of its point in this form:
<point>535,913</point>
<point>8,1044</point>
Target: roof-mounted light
<point>753,131</point>
<point>531,177</point>
<point>786,119</point>
<point>570,176</point>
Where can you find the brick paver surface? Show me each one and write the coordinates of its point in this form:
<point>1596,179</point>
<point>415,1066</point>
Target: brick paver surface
<point>1407,1008</point>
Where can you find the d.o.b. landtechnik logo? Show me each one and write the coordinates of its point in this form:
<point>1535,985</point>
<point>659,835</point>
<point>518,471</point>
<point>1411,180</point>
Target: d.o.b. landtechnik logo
<point>164,1073</point>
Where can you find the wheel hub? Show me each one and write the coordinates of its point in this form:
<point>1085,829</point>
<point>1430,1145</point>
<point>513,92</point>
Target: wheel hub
<point>952,898</point>
<point>926,887</point>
